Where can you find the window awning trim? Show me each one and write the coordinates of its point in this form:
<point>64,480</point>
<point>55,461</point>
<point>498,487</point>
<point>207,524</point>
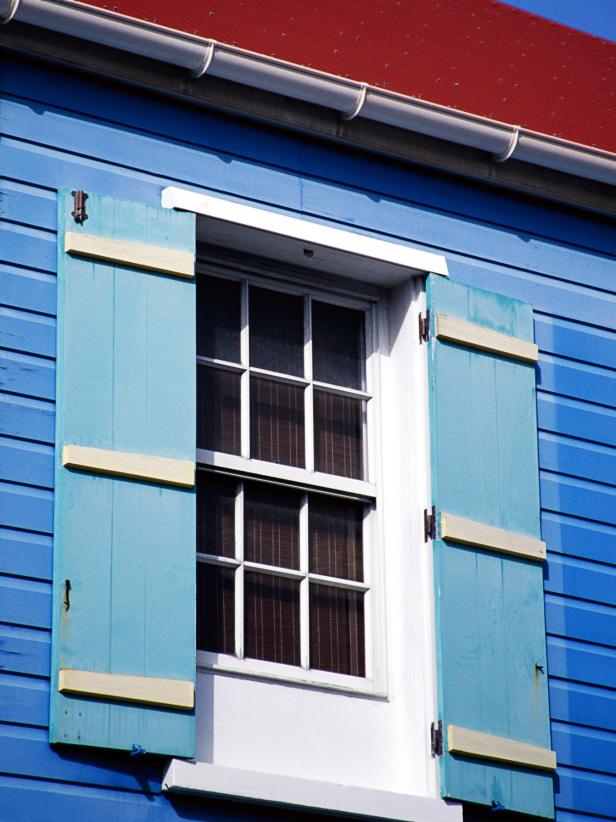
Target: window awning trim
<point>396,261</point>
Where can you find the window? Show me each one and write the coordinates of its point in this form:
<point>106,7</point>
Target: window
<point>285,502</point>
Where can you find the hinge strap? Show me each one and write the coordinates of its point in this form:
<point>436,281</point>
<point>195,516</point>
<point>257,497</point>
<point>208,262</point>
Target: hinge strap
<point>79,206</point>
<point>424,327</point>
<point>429,524</point>
<point>436,738</point>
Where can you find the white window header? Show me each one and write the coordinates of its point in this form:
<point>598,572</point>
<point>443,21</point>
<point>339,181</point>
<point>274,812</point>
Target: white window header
<point>302,242</point>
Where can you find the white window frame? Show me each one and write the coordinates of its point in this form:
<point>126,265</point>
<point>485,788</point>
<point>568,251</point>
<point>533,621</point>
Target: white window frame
<point>307,479</point>
<point>365,258</point>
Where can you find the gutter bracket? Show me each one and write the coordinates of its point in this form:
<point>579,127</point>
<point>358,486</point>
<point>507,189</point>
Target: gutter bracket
<point>359,104</point>
<point>505,155</point>
<point>207,60</point>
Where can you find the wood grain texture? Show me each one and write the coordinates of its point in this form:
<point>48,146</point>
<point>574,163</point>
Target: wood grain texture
<point>132,466</point>
<point>486,746</point>
<point>473,335</point>
<point>491,655</point>
<point>136,255</point>
<point>147,690</point>
<point>468,532</point>
<point>69,129</point>
<point>125,385</point>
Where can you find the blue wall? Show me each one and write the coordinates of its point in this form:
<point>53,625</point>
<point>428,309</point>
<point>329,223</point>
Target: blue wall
<point>58,131</point>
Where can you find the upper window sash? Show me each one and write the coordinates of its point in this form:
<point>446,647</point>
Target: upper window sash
<point>305,477</point>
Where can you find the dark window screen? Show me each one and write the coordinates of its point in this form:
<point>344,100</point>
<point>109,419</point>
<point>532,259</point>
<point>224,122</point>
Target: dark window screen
<point>335,537</point>
<point>271,513</point>
<point>276,331</point>
<point>271,618</point>
<point>215,609</point>
<point>218,318</point>
<point>276,422</point>
<point>337,641</point>
<point>218,409</point>
<point>215,514</point>
<point>338,435</point>
<point>338,345</point>
<point>271,525</point>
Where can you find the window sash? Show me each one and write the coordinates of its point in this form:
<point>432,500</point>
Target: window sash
<point>302,575</point>
<point>307,479</point>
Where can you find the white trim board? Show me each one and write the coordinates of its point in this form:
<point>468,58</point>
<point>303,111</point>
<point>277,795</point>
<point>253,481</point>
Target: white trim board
<point>303,242</point>
<point>304,794</point>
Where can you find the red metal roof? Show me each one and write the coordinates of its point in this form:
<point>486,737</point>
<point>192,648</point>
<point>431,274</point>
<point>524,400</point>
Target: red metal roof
<point>479,56</point>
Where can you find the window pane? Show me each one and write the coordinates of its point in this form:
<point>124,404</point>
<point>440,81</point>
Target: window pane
<point>215,514</point>
<point>338,435</point>
<point>337,641</point>
<point>218,318</point>
<point>271,525</point>
<point>271,618</point>
<point>335,534</point>
<point>218,410</point>
<point>276,422</point>
<point>276,331</point>
<point>215,608</point>
<point>338,345</point>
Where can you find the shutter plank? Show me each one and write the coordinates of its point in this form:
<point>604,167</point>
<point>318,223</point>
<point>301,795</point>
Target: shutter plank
<point>491,657</point>
<point>143,467</point>
<point>126,391</point>
<point>137,255</point>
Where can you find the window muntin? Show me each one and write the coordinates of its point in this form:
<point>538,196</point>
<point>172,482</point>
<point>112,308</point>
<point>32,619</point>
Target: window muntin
<point>298,575</point>
<point>295,554</point>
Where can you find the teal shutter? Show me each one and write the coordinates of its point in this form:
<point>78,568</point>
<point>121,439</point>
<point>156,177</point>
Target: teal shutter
<point>123,654</point>
<point>491,656</point>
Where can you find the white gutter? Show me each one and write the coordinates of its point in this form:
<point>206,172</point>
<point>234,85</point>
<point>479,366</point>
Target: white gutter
<point>349,98</point>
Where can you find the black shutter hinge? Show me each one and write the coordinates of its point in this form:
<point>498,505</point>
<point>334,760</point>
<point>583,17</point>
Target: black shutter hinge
<point>79,206</point>
<point>436,738</point>
<point>67,594</point>
<point>424,327</point>
<point>429,523</point>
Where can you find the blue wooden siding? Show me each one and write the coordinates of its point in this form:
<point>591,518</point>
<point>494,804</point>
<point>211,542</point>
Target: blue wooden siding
<point>127,145</point>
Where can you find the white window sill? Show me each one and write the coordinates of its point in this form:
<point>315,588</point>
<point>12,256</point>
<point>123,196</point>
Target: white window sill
<point>304,794</point>
<point>289,674</point>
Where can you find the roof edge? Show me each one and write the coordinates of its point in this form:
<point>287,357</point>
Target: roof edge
<point>348,98</point>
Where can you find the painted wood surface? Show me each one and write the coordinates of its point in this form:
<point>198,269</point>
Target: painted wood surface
<point>491,655</point>
<point>125,546</point>
<point>57,132</point>
<point>146,256</point>
<point>469,532</point>
<point>143,690</point>
<point>472,335</point>
<point>467,742</point>
<point>142,467</point>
